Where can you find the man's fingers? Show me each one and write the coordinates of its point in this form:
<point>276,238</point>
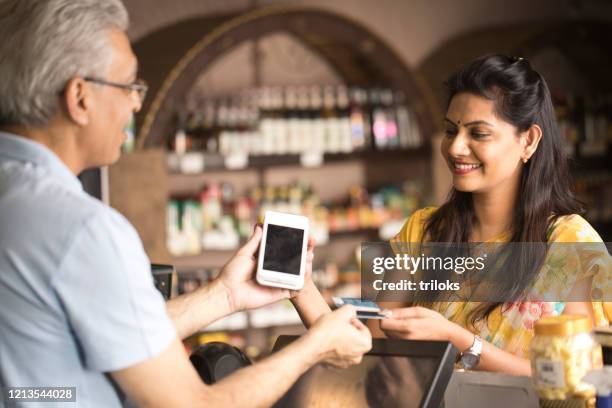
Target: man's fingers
<point>311,243</point>
<point>358,324</point>
<point>347,312</point>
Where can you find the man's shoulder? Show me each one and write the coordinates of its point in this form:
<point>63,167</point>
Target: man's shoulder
<point>78,210</point>
<point>70,206</point>
<point>43,208</point>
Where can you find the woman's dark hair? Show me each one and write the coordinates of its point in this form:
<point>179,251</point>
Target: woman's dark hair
<point>521,98</point>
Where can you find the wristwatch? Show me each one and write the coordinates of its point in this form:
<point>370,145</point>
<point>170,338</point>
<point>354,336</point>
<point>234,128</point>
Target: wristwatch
<point>471,357</point>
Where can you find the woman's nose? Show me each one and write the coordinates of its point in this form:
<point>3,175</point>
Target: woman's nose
<point>459,145</point>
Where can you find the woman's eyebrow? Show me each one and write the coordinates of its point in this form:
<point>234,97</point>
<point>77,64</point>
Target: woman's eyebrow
<point>472,123</point>
<point>478,122</point>
<point>447,120</point>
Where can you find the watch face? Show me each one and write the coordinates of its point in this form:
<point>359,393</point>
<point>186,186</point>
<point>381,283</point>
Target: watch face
<point>469,360</point>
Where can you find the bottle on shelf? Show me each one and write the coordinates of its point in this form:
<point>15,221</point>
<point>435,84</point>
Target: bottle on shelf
<point>359,121</point>
<point>298,120</point>
<point>407,125</point>
<point>221,218</point>
<point>378,120</point>
<point>585,126</point>
<point>391,129</point>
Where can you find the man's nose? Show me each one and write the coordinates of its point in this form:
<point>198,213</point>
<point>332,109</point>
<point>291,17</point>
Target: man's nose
<point>137,103</point>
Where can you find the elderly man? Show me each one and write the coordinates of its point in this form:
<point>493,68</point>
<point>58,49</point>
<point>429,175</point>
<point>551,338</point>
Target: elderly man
<point>77,303</point>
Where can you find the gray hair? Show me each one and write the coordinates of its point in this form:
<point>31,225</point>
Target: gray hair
<point>45,43</point>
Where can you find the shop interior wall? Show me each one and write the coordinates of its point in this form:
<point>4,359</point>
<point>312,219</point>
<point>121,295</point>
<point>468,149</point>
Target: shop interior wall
<point>416,29</point>
<point>432,37</point>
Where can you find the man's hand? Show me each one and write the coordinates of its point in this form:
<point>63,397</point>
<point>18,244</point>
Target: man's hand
<point>170,380</point>
<point>340,337</point>
<point>238,277</point>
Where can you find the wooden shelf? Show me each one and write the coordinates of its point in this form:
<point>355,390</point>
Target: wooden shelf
<point>216,258</point>
<point>361,232</point>
<point>258,162</point>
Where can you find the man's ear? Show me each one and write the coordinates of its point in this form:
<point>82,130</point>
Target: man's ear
<point>531,139</point>
<point>77,100</point>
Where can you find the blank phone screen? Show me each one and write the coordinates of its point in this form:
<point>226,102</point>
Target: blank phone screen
<point>283,249</point>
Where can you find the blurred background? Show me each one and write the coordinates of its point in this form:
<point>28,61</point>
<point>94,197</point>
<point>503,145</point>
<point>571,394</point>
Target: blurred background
<point>333,110</point>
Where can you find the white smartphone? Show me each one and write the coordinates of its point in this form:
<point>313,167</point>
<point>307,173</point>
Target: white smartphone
<point>282,252</point>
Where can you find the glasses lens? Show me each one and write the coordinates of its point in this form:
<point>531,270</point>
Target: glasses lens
<point>142,89</point>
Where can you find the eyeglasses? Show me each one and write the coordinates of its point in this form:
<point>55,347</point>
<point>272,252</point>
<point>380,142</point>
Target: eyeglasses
<point>139,86</point>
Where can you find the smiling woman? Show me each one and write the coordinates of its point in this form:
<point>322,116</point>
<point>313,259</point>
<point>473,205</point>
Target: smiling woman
<point>510,184</point>
<point>482,150</point>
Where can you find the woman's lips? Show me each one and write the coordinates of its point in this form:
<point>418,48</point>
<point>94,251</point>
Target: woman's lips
<point>459,168</point>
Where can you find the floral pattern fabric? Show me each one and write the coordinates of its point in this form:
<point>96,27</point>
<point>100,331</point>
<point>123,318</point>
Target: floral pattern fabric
<point>511,326</point>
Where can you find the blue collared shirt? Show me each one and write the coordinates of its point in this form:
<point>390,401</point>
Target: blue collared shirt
<point>77,299</point>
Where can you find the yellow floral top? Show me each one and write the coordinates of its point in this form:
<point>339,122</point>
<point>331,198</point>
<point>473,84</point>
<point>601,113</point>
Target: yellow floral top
<point>510,327</point>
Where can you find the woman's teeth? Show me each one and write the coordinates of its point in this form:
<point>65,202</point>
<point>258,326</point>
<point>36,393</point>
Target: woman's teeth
<point>461,166</point>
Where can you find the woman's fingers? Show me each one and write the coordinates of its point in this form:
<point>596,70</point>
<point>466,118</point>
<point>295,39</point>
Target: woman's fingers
<point>403,325</point>
<point>412,312</point>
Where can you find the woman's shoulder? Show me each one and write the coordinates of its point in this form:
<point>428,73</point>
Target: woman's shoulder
<point>414,225</point>
<point>572,228</point>
<point>423,214</point>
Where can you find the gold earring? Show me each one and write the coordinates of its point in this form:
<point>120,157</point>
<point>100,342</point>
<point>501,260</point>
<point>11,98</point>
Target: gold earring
<point>525,159</point>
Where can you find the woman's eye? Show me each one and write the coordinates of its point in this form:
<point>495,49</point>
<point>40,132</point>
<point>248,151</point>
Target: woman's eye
<point>479,135</point>
<point>450,133</point>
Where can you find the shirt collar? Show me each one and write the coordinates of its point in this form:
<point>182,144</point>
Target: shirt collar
<point>23,149</point>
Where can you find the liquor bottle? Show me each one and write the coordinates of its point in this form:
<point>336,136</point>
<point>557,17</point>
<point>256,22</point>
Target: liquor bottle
<point>290,141</point>
<point>268,126</point>
<point>330,118</point>
<point>379,120</point>
<point>303,140</point>
<point>386,99</point>
<point>210,200</point>
<point>174,237</point>
<point>568,131</point>
<point>359,127</point>
<point>243,211</point>
<point>404,125</point>
<point>192,226</point>
<point>318,125</point>
<point>344,120</point>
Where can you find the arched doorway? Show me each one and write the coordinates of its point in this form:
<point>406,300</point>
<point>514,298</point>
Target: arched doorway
<point>172,59</point>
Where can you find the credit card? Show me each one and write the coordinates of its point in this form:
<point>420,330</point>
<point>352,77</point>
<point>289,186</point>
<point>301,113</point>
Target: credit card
<point>366,309</point>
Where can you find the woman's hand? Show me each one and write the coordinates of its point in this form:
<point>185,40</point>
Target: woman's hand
<point>418,323</point>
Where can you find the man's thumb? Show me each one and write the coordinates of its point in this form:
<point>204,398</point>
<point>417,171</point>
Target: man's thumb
<point>251,246</point>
